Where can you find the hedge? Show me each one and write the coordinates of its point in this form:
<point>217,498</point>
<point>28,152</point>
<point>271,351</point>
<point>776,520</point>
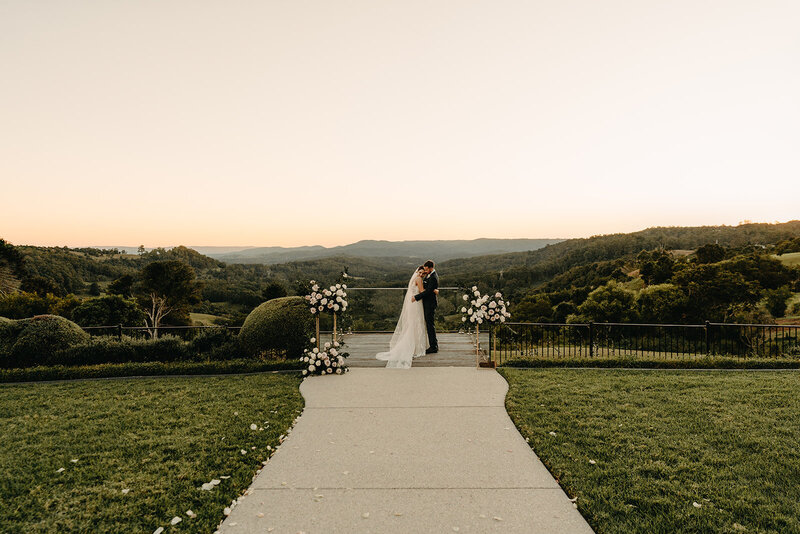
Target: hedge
<point>277,327</point>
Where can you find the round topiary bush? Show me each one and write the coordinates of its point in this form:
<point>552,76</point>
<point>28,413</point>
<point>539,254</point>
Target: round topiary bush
<point>41,336</point>
<point>278,327</point>
<point>8,335</point>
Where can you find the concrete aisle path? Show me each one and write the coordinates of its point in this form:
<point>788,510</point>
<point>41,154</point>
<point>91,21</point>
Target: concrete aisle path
<point>405,451</point>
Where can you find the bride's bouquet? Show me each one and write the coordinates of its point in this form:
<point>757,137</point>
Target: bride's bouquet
<point>331,300</point>
<point>484,308</point>
<point>325,361</point>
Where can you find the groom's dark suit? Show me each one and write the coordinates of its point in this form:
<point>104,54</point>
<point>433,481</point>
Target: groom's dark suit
<point>429,303</point>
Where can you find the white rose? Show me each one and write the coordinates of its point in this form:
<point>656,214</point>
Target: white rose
<point>492,304</point>
<point>463,319</point>
<point>480,321</point>
<point>477,294</point>
<point>472,318</point>
<point>338,286</point>
<point>344,286</point>
<point>502,319</point>
<point>498,295</point>
<point>333,288</point>
<point>501,303</point>
<point>327,345</point>
<point>338,371</point>
<point>319,363</point>
<point>321,308</point>
<point>470,311</point>
<point>329,370</point>
<point>316,350</point>
<point>313,310</point>
<point>311,368</point>
<point>324,301</point>
<point>341,360</point>
<point>466,297</point>
<point>313,340</point>
<point>305,372</point>
<point>334,352</point>
<point>315,287</point>
<point>474,288</point>
<point>463,310</point>
<point>473,303</point>
<point>335,307</point>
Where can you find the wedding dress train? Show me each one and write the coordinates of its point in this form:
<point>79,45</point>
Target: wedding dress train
<point>410,338</point>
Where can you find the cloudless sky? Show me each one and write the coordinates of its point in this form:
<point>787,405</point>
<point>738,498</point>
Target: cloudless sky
<point>299,122</point>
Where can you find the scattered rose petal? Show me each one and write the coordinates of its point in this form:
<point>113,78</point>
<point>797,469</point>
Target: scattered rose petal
<point>176,520</point>
<point>125,491</point>
<point>552,433</point>
<point>482,516</point>
<point>253,427</point>
<point>697,505</point>
<point>226,511</point>
<point>243,452</point>
<point>191,514</point>
<point>365,515</point>
<point>235,413</point>
<point>159,530</point>
<point>60,470</point>
<point>456,529</point>
<point>398,514</point>
<point>497,518</point>
<point>74,460</point>
<point>592,462</point>
<point>260,514</point>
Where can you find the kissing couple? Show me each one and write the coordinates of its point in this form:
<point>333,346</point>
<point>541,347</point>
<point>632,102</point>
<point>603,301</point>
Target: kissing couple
<point>415,335</point>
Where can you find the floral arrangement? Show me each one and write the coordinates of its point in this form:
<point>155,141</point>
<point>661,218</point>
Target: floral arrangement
<point>484,308</point>
<point>331,300</point>
<point>325,361</point>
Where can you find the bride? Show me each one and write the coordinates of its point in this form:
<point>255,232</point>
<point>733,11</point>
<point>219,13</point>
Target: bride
<point>410,338</point>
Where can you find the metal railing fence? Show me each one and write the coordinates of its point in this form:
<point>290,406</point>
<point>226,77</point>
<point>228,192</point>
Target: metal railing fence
<point>552,341</point>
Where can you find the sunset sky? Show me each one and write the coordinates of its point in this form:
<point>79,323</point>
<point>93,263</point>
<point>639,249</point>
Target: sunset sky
<point>297,122</point>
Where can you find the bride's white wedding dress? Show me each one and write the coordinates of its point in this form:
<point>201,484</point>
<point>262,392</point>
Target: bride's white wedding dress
<point>410,338</point>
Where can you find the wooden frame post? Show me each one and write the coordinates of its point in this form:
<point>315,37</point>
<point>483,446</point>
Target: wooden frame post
<point>477,345</point>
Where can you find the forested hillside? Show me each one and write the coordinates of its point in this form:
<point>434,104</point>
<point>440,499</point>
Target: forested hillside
<point>747,272</point>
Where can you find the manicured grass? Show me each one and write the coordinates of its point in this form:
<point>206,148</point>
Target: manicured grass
<point>206,319</point>
<point>109,370</point>
<point>791,259</point>
<point>161,438</point>
<point>716,362</point>
<point>664,440</point>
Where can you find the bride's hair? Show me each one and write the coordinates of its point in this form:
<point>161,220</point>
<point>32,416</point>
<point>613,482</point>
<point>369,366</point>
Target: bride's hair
<point>420,268</point>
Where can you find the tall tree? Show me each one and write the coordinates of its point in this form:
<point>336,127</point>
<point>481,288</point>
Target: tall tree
<point>166,287</point>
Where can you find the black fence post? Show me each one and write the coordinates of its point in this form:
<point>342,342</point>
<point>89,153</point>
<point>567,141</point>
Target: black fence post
<point>708,339</point>
<point>591,340</point>
<point>119,331</point>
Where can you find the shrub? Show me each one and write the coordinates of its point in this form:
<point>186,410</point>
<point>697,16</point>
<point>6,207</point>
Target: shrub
<point>108,310</point>
<point>215,344</point>
<point>9,329</point>
<point>108,349</point>
<point>41,336</point>
<point>278,326</point>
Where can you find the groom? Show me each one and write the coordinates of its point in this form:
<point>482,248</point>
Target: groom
<point>429,302</point>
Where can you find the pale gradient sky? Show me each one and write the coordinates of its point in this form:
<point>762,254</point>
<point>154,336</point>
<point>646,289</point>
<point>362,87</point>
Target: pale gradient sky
<point>325,122</point>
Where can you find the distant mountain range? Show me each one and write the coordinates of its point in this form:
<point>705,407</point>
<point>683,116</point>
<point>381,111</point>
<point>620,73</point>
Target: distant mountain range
<point>418,250</point>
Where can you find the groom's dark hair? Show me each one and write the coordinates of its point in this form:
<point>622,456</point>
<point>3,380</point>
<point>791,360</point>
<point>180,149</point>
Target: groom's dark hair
<point>430,264</point>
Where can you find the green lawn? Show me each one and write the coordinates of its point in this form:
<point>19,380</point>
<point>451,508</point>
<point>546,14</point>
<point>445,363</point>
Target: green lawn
<point>159,438</point>
<point>791,259</point>
<point>665,440</point>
